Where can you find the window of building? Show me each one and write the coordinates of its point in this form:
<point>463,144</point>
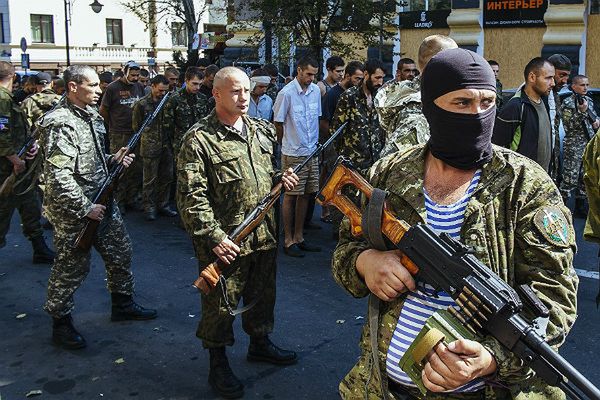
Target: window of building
<point>594,6</point>
<point>42,28</point>
<point>2,27</point>
<point>179,34</point>
<point>114,31</point>
<point>427,5</point>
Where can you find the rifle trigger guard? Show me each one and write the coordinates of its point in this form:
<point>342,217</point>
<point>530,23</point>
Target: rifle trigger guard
<point>371,220</point>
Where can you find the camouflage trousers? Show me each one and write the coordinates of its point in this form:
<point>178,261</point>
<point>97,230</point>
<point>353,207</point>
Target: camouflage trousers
<point>29,208</point>
<point>72,265</point>
<point>158,176</point>
<point>572,167</point>
<point>254,278</point>
<point>129,187</point>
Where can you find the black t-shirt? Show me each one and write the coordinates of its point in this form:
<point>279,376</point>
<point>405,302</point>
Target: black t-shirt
<point>118,100</point>
<point>329,102</point>
<point>205,90</point>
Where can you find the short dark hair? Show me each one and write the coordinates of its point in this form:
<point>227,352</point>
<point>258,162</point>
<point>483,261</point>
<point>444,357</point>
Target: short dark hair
<point>203,62</point>
<point>158,79</point>
<point>577,78</point>
<point>560,61</point>
<point>305,61</point>
<point>333,62</point>
<point>7,70</point>
<point>354,66</point>
<point>58,82</point>
<point>106,77</point>
<point>193,72</point>
<point>77,73</point>
<point>118,74</point>
<point>403,61</point>
<point>271,69</point>
<point>534,65</point>
<point>211,70</point>
<point>372,65</point>
<point>493,62</point>
<point>259,72</point>
<point>144,72</point>
<point>172,71</point>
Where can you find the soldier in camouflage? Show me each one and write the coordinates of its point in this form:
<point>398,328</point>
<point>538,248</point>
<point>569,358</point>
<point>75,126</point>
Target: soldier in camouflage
<point>399,104</point>
<point>41,102</point>
<point>75,168</point>
<point>581,122</point>
<point>157,150</point>
<point>363,138</point>
<point>496,68</point>
<point>223,169</point>
<point>501,191</point>
<point>13,135</point>
<point>185,108</point>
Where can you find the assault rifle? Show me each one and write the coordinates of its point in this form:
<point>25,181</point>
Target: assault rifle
<point>212,274</point>
<point>11,181</point>
<point>488,305</point>
<point>86,235</point>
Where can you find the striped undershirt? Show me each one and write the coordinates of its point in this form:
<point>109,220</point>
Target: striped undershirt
<point>422,303</point>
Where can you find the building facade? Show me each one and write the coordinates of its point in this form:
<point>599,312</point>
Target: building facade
<point>105,40</point>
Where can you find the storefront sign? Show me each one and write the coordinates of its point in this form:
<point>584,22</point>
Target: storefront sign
<point>514,13</point>
<point>424,19</point>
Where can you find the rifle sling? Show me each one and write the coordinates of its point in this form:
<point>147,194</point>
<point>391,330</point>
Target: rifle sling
<point>230,310</point>
<point>371,227</point>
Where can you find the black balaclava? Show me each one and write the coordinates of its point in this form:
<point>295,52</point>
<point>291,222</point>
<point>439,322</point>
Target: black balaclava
<point>463,141</point>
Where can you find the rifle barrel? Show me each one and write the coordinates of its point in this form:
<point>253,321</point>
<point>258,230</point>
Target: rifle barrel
<point>320,148</point>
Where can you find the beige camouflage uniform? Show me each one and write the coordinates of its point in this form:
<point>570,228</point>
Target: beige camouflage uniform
<point>38,104</point>
<point>591,179</point>
<point>221,177</point>
<point>400,115</point>
<point>183,110</point>
<point>75,168</point>
<point>500,225</point>
<point>157,151</point>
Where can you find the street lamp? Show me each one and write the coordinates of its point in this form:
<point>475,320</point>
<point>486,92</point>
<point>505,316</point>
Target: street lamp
<point>96,7</point>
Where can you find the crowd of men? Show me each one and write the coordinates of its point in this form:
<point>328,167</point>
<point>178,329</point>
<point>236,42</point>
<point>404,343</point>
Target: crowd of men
<point>221,137</point>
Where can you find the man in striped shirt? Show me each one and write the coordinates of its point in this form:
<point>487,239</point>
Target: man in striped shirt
<point>489,198</point>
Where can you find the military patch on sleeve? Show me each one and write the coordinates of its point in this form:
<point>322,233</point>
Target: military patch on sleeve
<point>553,225</point>
<point>4,123</point>
<point>59,159</point>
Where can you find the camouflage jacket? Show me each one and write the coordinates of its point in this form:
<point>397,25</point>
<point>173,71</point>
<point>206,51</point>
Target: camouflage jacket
<point>362,139</point>
<point>591,179</point>
<point>221,177</point>
<point>37,104</point>
<point>154,138</point>
<point>13,129</point>
<point>182,111</point>
<point>272,91</point>
<point>400,115</point>
<point>75,165</point>
<point>576,123</point>
<point>504,224</point>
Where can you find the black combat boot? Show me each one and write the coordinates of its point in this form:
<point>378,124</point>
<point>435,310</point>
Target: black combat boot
<point>167,211</point>
<point>262,349</point>
<point>125,309</point>
<point>65,335</point>
<point>41,253</point>
<point>221,377</point>
<point>580,208</point>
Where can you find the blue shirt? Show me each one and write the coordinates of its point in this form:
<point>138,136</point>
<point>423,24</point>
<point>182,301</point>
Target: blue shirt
<point>422,304</point>
<point>263,109</point>
<point>299,111</point>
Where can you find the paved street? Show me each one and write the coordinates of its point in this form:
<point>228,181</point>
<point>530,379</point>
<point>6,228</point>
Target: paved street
<point>162,359</point>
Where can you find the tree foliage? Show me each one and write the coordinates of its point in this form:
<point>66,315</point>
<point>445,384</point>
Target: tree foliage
<point>158,14</point>
<point>339,25</point>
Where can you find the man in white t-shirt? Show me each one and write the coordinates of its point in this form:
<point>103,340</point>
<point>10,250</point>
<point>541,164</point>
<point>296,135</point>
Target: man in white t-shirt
<point>296,115</point>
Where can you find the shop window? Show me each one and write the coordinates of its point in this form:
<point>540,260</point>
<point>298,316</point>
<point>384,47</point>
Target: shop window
<point>427,5</point>
<point>42,28</point>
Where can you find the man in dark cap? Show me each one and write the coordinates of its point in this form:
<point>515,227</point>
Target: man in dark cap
<point>39,103</point>
<point>459,184</point>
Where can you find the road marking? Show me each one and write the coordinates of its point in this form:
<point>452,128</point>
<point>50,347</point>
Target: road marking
<point>587,274</point>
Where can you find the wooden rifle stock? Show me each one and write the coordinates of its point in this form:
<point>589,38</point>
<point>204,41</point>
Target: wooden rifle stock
<point>86,235</point>
<point>331,194</point>
<point>212,273</point>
